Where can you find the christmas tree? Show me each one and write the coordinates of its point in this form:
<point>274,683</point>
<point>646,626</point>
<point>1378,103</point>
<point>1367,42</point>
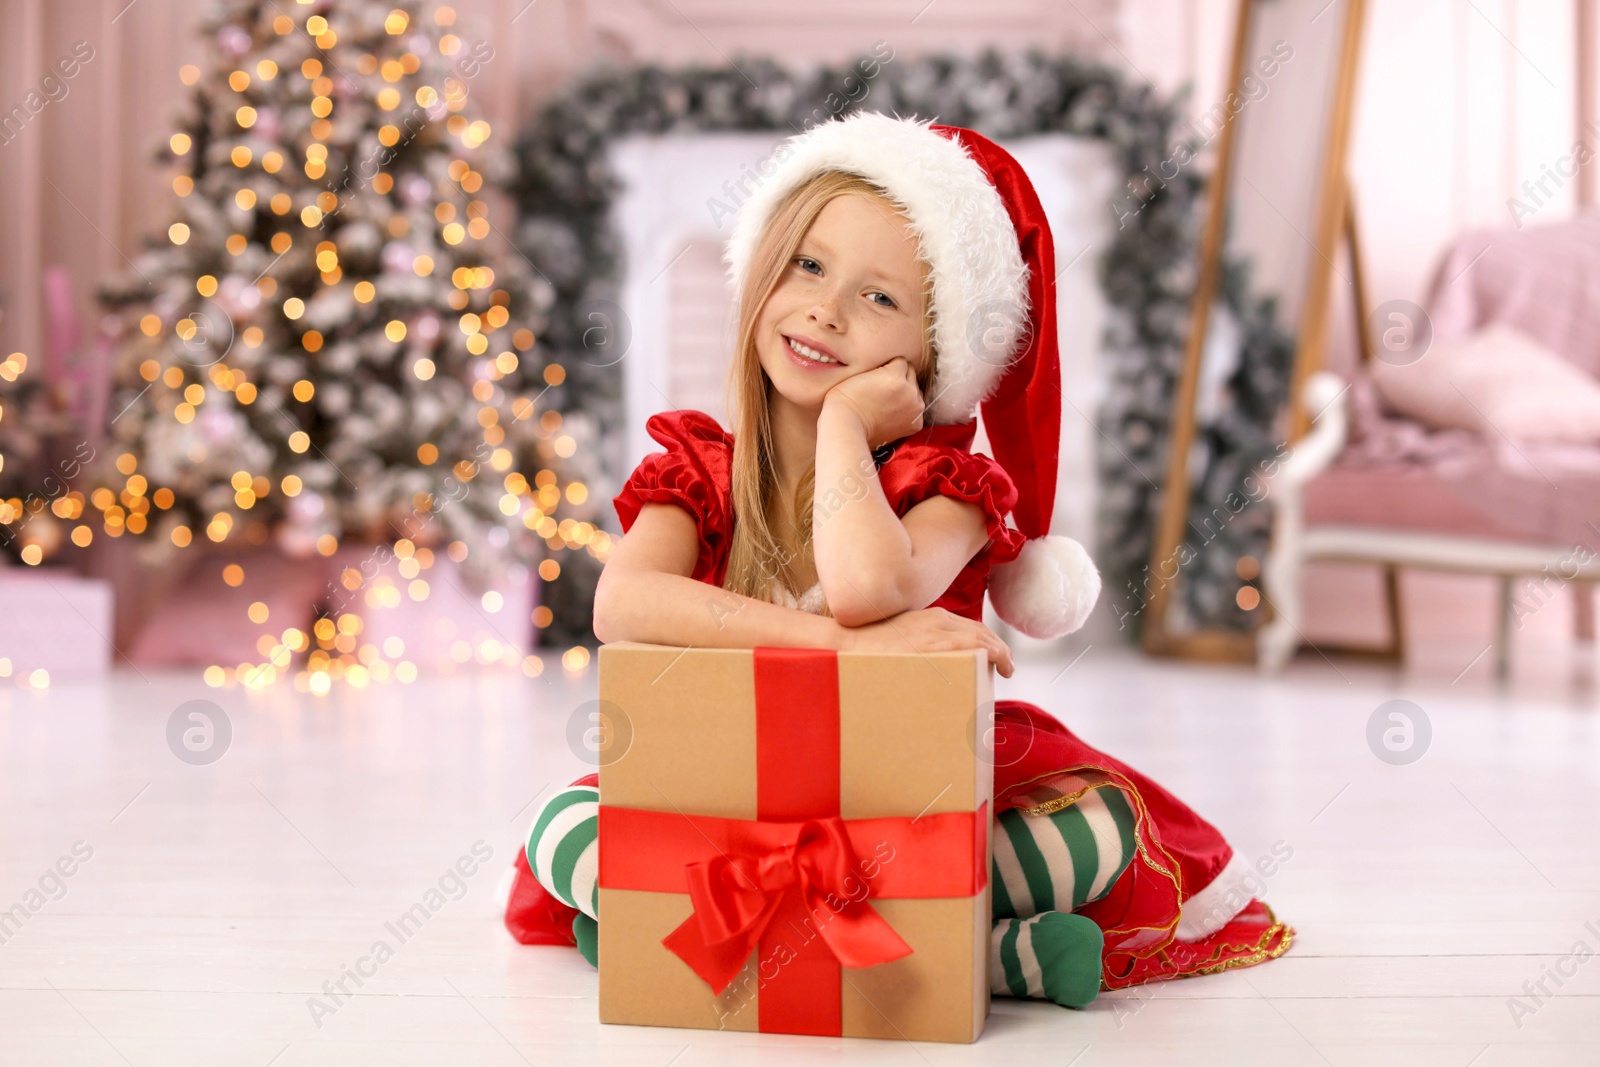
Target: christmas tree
<point>325,346</point>
<point>40,458</point>
<point>20,452</point>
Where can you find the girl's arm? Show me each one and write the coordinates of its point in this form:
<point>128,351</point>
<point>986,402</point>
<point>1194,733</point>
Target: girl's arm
<point>872,563</point>
<point>645,594</point>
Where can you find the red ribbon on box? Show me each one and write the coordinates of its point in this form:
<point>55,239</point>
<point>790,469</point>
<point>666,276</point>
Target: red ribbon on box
<point>756,883</point>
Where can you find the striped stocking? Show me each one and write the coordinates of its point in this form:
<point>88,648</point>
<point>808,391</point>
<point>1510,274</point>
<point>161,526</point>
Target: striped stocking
<point>1063,860</point>
<point>1044,867</point>
<point>564,855</point>
<point>1053,955</point>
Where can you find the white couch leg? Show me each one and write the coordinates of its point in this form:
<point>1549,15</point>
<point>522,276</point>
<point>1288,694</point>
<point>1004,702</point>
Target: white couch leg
<point>1281,579</point>
<point>1278,640</point>
<point>1502,651</point>
<point>1276,645</point>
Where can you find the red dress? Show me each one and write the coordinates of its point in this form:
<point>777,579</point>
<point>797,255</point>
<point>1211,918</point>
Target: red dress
<point>1179,854</point>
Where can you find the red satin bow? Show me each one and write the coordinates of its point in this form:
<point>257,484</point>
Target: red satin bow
<point>736,897</point>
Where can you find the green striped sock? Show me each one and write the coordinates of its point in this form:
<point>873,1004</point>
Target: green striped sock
<point>1053,955</point>
<point>1063,860</point>
<point>586,934</point>
<point>563,848</point>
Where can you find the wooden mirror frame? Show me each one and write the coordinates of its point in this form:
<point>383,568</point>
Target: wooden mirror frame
<point>1332,200</point>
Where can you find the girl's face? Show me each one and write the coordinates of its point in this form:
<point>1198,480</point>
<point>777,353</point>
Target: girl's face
<point>852,294</point>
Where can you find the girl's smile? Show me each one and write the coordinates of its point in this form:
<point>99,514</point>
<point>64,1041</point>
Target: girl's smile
<point>809,354</point>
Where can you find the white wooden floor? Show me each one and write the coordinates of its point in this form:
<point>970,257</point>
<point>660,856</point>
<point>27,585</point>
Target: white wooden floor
<point>1430,898</point>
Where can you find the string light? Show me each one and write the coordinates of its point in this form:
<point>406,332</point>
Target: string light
<point>335,648</point>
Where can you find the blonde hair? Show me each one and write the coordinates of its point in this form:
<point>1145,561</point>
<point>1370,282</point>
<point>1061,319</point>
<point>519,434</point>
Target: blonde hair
<point>756,559</point>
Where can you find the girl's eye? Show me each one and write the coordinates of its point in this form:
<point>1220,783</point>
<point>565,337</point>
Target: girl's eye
<point>806,263</point>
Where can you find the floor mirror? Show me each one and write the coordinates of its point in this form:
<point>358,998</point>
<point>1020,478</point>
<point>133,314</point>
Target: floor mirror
<point>1276,213</point>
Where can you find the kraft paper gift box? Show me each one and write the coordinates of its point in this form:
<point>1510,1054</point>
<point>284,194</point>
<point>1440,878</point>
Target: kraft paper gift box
<point>795,840</point>
<point>54,621</point>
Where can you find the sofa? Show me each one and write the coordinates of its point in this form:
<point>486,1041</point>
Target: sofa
<point>1387,475</point>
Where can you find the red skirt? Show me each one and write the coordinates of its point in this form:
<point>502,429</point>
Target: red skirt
<point>1179,854</point>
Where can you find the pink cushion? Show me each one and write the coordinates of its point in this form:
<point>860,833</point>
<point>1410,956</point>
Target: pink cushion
<point>1544,279</point>
<point>1496,381</point>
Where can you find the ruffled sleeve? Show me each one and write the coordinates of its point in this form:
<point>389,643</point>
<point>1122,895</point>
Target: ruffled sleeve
<point>694,473</point>
<point>916,472</point>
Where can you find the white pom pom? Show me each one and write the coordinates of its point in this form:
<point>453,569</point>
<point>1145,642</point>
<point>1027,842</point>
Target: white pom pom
<point>1048,590</point>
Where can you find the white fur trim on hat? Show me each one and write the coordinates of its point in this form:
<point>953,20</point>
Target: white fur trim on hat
<point>1048,590</point>
<point>980,282</point>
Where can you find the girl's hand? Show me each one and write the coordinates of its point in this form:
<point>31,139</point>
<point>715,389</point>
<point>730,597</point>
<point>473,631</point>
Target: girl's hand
<point>928,630</point>
<point>885,400</point>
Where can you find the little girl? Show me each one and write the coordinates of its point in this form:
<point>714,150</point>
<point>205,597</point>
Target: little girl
<point>893,275</point>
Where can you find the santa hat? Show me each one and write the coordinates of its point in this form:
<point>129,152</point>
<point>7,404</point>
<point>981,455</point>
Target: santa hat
<point>985,236</point>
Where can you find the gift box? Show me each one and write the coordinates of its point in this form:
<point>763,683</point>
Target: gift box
<point>54,621</point>
<point>795,840</point>
<point>196,618</point>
